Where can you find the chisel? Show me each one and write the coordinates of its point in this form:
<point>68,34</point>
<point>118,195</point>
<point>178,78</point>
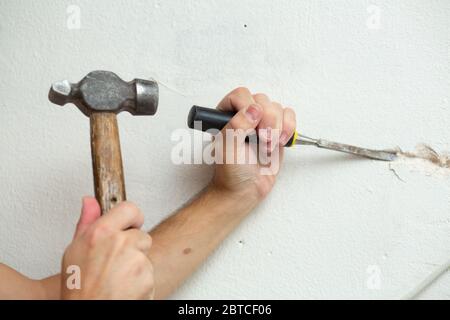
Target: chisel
<point>216,119</point>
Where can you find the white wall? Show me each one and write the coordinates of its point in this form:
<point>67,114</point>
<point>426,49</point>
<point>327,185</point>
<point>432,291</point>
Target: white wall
<point>333,222</point>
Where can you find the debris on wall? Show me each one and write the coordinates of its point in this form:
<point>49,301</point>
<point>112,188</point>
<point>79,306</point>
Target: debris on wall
<point>424,160</point>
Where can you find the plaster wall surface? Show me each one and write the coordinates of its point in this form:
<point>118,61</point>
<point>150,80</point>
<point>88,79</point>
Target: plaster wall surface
<point>372,73</point>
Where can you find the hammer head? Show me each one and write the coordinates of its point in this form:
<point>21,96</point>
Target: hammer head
<point>104,91</point>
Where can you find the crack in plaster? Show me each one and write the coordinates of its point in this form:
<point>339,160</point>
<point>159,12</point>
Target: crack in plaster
<point>424,159</point>
<point>395,173</point>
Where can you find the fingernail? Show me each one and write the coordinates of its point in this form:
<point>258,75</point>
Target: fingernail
<point>253,112</point>
<point>284,138</point>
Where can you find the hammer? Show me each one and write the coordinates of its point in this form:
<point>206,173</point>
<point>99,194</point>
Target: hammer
<point>101,95</point>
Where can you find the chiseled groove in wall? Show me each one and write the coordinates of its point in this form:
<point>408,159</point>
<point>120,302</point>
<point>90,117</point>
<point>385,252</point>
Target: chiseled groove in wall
<point>424,159</point>
<point>425,152</point>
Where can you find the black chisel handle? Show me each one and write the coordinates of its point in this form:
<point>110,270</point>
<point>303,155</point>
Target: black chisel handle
<point>216,119</point>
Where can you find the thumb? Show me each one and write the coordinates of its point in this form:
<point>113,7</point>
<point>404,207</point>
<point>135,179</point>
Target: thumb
<point>90,212</point>
<point>246,119</point>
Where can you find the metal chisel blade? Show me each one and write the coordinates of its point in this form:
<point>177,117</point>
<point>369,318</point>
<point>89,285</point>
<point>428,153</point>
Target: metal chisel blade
<point>384,155</point>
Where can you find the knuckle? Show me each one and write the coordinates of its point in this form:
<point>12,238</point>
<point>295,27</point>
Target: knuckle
<point>96,234</point>
<point>260,97</point>
<point>289,109</point>
<point>289,112</point>
<point>128,206</point>
<point>277,105</point>
<point>289,118</point>
<point>272,110</point>
<point>132,210</point>
<point>270,117</point>
<point>241,91</point>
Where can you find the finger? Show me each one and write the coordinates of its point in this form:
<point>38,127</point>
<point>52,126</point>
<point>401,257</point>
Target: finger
<point>123,216</point>
<point>90,212</point>
<point>261,98</point>
<point>246,119</point>
<point>289,125</point>
<point>271,124</point>
<point>266,104</point>
<point>139,239</point>
<point>236,100</point>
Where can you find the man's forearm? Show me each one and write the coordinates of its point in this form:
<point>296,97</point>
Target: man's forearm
<point>16,286</point>
<point>185,239</point>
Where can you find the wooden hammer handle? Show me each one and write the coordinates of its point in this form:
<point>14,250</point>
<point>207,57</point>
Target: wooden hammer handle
<point>106,160</point>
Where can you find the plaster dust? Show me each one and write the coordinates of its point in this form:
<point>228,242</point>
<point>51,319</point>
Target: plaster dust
<point>425,160</point>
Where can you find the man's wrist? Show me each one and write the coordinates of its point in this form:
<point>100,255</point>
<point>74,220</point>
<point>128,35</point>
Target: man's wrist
<point>50,287</point>
<point>242,201</point>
